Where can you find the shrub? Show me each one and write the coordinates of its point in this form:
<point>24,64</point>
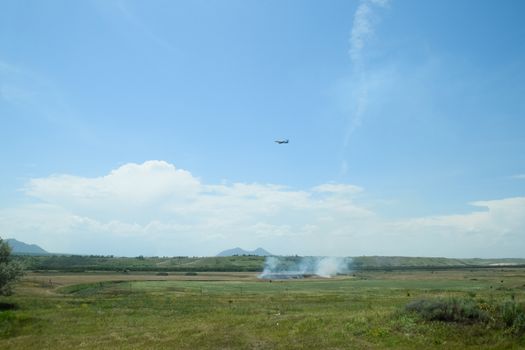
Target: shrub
<point>508,315</point>
<point>448,310</point>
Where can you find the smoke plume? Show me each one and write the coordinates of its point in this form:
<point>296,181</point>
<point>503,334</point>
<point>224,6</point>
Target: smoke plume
<point>298,267</point>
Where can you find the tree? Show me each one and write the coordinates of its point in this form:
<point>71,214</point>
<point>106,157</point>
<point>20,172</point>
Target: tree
<point>10,270</point>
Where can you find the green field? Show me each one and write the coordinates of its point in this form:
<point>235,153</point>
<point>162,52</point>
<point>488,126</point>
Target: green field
<point>365,310</point>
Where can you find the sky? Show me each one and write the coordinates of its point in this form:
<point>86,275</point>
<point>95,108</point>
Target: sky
<point>134,127</point>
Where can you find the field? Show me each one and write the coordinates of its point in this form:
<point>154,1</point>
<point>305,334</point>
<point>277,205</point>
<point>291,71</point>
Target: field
<point>223,310</point>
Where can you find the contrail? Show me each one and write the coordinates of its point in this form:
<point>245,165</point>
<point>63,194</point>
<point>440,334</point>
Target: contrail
<point>363,26</point>
<point>361,33</point>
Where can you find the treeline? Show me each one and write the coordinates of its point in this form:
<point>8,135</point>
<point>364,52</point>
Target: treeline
<point>242,263</point>
<point>429,263</point>
<point>82,263</point>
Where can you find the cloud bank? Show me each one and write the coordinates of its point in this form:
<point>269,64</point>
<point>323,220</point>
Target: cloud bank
<point>154,208</point>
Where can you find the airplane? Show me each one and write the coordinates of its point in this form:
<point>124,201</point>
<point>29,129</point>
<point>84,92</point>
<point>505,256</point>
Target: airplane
<point>281,141</point>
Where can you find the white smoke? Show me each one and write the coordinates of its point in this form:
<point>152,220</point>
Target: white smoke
<point>298,267</point>
<point>328,267</point>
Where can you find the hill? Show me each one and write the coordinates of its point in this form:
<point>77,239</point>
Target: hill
<point>24,248</point>
<point>239,252</point>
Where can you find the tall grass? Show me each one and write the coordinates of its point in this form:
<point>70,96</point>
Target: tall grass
<point>507,315</point>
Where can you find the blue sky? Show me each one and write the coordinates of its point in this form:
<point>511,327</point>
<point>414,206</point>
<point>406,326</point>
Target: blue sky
<point>138,127</point>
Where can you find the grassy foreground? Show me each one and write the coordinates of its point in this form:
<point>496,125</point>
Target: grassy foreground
<point>238,311</point>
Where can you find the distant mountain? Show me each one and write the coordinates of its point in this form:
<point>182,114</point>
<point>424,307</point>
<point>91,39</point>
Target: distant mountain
<point>24,248</point>
<point>240,251</point>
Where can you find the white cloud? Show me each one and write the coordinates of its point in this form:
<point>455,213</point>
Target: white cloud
<point>495,231</point>
<point>519,176</point>
<point>154,208</point>
<point>157,199</point>
<point>338,188</point>
<point>500,217</point>
<point>131,185</point>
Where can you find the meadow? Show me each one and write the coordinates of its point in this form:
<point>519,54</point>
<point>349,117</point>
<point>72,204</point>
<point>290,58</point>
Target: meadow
<point>236,310</point>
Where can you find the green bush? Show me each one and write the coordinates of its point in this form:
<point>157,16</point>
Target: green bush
<point>448,310</point>
<point>10,271</point>
<point>508,315</point>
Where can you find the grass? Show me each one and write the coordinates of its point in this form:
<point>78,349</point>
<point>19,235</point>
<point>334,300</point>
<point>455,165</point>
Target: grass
<point>237,311</point>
